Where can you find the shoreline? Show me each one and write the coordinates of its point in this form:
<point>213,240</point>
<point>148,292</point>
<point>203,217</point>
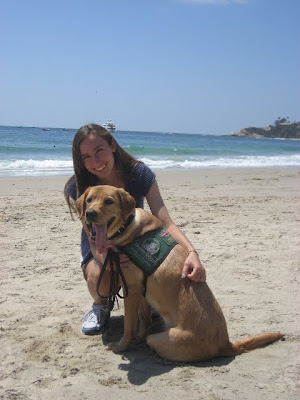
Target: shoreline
<point>193,175</point>
<point>245,225</point>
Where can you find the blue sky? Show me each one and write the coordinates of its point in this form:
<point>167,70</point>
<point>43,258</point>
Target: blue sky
<point>197,66</point>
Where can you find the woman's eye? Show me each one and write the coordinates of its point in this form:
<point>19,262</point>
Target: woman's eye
<point>89,200</point>
<point>108,202</point>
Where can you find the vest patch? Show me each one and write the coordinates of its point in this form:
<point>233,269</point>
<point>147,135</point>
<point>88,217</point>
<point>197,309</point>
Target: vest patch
<point>148,251</point>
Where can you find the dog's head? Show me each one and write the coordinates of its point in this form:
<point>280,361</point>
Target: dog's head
<point>104,209</point>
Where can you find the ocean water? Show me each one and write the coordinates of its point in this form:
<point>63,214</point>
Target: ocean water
<point>34,151</point>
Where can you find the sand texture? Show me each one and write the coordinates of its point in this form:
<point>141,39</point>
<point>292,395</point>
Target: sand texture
<point>245,225</point>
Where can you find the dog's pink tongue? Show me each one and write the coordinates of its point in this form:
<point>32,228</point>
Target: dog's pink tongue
<point>101,238</point>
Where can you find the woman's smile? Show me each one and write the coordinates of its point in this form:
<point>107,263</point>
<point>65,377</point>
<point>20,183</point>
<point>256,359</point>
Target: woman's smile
<point>101,168</point>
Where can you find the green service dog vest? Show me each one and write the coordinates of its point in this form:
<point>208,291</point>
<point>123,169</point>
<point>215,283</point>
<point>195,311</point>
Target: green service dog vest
<point>148,251</point>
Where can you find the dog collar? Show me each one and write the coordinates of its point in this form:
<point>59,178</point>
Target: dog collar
<point>123,227</point>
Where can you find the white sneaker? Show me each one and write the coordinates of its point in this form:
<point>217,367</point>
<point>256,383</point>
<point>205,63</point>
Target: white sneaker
<point>96,321</point>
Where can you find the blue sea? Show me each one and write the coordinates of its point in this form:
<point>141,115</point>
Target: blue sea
<point>34,151</point>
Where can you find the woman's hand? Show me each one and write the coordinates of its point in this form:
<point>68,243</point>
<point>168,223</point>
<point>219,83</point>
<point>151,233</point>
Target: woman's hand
<point>193,269</point>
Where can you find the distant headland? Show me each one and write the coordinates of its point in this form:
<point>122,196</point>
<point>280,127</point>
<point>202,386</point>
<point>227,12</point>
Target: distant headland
<point>282,128</point>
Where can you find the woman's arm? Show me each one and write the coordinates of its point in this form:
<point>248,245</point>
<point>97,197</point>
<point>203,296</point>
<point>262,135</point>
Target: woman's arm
<point>193,268</point>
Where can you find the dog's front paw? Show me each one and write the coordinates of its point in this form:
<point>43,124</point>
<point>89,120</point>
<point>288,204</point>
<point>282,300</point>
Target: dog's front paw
<point>117,347</point>
<point>111,346</point>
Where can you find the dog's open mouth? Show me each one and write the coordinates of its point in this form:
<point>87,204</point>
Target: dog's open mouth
<point>99,235</point>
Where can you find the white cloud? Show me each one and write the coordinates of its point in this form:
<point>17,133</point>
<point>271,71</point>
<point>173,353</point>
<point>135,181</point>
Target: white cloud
<point>214,2</point>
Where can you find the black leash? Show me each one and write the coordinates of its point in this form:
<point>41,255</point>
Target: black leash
<point>113,258</point>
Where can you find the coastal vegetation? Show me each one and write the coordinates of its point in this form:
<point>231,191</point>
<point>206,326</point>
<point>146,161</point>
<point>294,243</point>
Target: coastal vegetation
<point>282,128</point>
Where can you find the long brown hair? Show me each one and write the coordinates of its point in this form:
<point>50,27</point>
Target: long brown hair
<point>125,162</point>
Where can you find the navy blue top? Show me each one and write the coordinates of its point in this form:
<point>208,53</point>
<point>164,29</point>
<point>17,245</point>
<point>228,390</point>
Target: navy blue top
<point>138,186</point>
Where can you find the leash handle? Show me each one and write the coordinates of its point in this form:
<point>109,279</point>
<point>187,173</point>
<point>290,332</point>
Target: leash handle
<point>112,258</point>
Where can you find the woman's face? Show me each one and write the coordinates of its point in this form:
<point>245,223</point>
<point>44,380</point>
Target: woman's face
<point>97,156</point>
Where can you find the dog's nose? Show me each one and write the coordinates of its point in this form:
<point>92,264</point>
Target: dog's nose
<point>91,215</point>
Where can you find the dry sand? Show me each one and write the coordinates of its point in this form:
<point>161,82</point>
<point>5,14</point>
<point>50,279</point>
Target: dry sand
<point>245,225</point>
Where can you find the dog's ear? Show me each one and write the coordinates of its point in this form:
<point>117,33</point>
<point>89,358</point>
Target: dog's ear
<point>80,204</point>
<point>127,203</point>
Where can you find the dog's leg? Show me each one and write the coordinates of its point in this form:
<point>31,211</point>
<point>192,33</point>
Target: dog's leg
<point>144,317</point>
<point>175,344</point>
<point>131,308</point>
<point>171,344</point>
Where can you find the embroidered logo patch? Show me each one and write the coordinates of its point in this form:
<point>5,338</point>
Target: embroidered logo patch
<point>151,245</point>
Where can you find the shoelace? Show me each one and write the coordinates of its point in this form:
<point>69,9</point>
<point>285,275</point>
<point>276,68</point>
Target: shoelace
<point>94,315</point>
<point>90,316</point>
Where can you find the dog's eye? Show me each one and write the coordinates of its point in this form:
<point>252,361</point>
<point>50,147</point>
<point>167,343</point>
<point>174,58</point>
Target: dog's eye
<point>89,200</point>
<point>108,202</point>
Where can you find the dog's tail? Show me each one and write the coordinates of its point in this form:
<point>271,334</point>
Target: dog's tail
<point>251,343</point>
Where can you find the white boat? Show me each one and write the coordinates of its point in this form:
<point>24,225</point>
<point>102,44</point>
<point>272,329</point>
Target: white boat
<point>109,125</point>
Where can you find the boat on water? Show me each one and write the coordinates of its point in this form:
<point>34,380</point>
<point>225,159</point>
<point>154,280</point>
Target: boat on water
<point>109,125</point>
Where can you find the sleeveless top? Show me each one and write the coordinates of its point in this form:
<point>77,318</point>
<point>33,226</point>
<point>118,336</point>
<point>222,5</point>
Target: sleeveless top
<point>138,187</point>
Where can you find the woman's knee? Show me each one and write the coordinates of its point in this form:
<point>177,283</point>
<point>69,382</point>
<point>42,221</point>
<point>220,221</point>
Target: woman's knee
<point>91,270</point>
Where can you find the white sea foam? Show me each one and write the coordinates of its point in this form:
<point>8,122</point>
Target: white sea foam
<point>246,162</point>
<point>35,167</point>
<point>63,166</point>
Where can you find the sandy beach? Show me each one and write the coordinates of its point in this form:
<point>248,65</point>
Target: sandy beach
<point>245,225</point>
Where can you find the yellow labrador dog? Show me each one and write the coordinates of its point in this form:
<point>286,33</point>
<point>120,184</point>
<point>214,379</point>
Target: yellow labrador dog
<point>195,325</point>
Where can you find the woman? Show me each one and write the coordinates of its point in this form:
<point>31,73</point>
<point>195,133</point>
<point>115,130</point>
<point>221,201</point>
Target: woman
<point>99,160</point>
